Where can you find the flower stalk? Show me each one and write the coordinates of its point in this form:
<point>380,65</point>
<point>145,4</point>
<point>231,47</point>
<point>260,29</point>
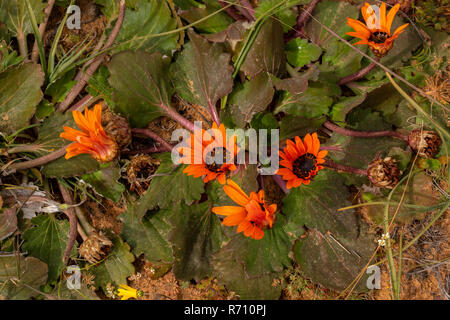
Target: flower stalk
<point>363,134</point>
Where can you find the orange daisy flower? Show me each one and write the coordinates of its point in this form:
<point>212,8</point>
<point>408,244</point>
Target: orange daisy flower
<point>301,160</point>
<point>253,214</point>
<point>377,31</point>
<point>92,139</point>
<point>201,152</point>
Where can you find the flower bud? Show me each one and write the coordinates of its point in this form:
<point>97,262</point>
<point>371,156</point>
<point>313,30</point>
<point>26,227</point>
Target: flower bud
<point>425,143</point>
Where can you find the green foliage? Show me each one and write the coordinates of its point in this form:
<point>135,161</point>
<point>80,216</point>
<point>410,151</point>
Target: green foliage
<point>31,271</point>
<point>338,242</point>
<point>20,93</point>
<point>267,52</point>
<point>299,52</point>
<point>192,73</point>
<point>252,97</point>
<point>140,25</point>
<point>116,267</point>
<point>47,242</point>
<point>105,181</point>
<point>14,14</point>
<point>140,85</point>
<point>196,234</point>
<point>216,23</point>
<point>149,234</point>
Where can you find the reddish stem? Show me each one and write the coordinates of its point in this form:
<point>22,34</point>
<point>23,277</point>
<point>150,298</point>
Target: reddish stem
<point>154,136</point>
<point>85,102</point>
<point>363,134</point>
<point>302,19</point>
<point>340,167</point>
<point>38,161</point>
<point>359,74</point>
<point>178,117</point>
<point>153,149</point>
<point>71,214</point>
<point>246,10</point>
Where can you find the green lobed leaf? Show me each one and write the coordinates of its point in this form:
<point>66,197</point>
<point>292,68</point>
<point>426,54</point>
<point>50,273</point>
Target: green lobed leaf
<point>47,242</point>
<point>202,72</point>
<point>140,85</point>
<point>105,181</point>
<point>332,14</point>
<point>299,52</point>
<point>149,18</point>
<point>196,234</point>
<point>337,242</point>
<point>148,235</point>
<point>20,93</point>
<point>250,98</point>
<point>216,23</point>
<point>312,103</point>
<point>14,14</point>
<point>292,126</point>
<point>267,52</point>
<point>170,186</point>
<point>231,272</point>
<point>117,266</point>
<point>31,272</point>
<point>98,86</point>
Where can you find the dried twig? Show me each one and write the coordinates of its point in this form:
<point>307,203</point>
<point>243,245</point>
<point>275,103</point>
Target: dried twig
<point>38,161</point>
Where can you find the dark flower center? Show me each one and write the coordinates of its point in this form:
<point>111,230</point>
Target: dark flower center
<point>379,37</point>
<point>304,165</point>
<point>210,158</point>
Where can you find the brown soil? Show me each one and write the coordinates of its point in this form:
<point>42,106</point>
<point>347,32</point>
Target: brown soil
<point>168,288</point>
<point>103,215</point>
<point>425,265</point>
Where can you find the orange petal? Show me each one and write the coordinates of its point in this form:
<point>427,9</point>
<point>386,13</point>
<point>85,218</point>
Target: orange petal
<point>221,178</point>
<point>287,164</point>
<point>383,18</point>
<point>359,27</point>
<point>229,210</point>
<point>308,141</point>
<point>243,226</point>
<point>258,234</point>
<point>292,152</point>
<point>235,193</point>
<point>322,154</point>
<point>399,30</point>
<point>390,17</point>
<point>300,146</point>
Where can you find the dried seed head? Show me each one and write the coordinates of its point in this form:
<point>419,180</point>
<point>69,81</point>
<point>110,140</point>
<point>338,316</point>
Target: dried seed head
<point>425,143</point>
<point>95,247</point>
<point>383,173</point>
<point>139,172</point>
<point>117,128</point>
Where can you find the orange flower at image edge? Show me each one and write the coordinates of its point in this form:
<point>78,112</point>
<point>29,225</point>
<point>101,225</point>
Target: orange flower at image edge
<point>301,160</point>
<point>253,214</point>
<point>217,143</point>
<point>92,139</point>
<point>377,31</point>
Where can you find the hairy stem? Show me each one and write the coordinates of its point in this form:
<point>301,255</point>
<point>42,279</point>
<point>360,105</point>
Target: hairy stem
<point>178,117</point>
<point>302,18</point>
<point>23,49</point>
<point>154,136</point>
<point>38,161</point>
<point>85,102</point>
<point>363,134</point>
<point>359,74</point>
<point>340,167</point>
<point>42,27</point>
<point>96,63</point>
<point>70,213</point>
<point>153,149</point>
